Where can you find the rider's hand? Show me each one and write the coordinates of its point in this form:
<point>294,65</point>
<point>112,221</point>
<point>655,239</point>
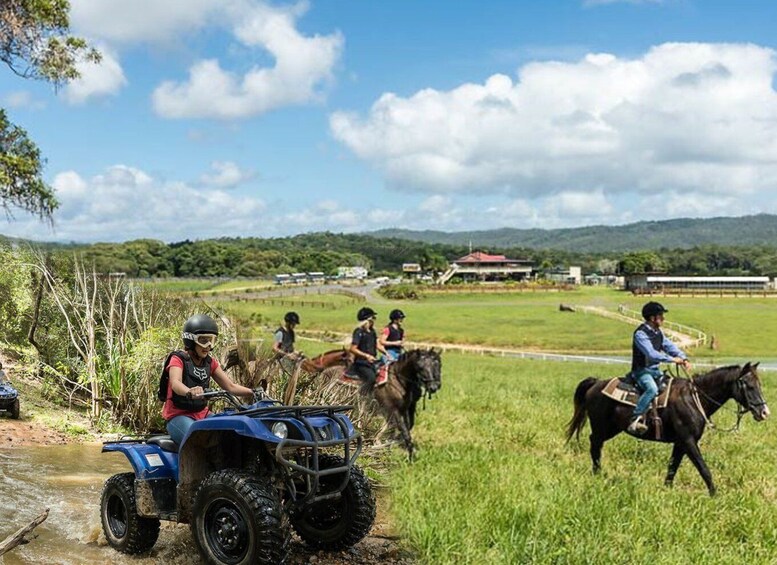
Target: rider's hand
<point>687,364</point>
<point>195,392</point>
<point>370,358</point>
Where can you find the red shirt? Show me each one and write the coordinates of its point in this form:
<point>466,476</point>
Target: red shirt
<point>169,410</point>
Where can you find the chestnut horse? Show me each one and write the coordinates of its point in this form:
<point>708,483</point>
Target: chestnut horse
<point>691,404</point>
<point>326,360</point>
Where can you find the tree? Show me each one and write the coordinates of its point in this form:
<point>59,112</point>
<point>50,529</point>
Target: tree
<point>34,43</point>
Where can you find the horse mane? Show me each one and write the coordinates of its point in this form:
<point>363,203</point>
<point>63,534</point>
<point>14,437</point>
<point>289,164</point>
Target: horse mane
<point>718,372</point>
<point>341,350</point>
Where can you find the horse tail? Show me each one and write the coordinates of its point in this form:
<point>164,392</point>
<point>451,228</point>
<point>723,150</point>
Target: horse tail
<point>578,419</point>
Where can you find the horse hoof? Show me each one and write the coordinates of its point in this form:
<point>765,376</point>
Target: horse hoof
<point>668,484</point>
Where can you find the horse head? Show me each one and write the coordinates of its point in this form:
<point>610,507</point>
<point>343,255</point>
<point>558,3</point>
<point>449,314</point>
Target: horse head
<point>749,394</point>
<point>427,366</point>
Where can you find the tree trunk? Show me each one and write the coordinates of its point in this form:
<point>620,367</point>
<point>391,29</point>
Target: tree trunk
<point>19,537</point>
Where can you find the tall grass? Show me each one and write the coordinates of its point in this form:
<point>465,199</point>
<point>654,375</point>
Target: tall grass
<point>495,482</point>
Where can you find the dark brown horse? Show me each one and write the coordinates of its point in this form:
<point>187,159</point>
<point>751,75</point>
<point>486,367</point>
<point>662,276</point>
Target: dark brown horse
<point>415,373</point>
<point>682,420</point>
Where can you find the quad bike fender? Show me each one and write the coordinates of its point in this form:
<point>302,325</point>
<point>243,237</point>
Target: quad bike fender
<point>148,461</point>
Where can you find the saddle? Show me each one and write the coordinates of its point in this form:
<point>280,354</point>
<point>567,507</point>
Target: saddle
<point>623,390</point>
<point>349,379</point>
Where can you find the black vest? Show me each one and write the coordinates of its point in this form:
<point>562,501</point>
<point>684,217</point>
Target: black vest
<point>395,334</point>
<point>287,340</point>
<point>638,359</point>
<point>192,376</point>
<point>366,342</point>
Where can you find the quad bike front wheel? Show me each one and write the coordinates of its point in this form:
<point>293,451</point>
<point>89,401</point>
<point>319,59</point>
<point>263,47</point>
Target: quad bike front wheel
<point>123,528</point>
<point>238,519</point>
<point>15,409</point>
<point>338,523</point>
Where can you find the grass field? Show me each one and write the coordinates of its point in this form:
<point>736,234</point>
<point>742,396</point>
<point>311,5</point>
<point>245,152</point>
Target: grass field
<point>495,482</point>
<point>743,327</point>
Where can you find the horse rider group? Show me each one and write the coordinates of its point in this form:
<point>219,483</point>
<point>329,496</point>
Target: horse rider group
<point>365,342</point>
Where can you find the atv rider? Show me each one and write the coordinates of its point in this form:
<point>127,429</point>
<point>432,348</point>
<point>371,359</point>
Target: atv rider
<point>189,372</point>
<point>650,347</point>
<point>365,346</point>
<point>284,338</point>
<point>392,338</point>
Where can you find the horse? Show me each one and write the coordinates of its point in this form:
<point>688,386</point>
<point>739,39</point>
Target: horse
<point>325,360</point>
<point>415,373</point>
<point>690,405</point>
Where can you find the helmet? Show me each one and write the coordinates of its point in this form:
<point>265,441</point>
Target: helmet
<point>396,315</point>
<point>652,309</point>
<point>365,314</point>
<point>291,318</point>
<point>196,325</point>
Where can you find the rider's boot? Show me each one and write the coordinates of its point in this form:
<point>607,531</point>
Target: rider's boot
<point>637,426</point>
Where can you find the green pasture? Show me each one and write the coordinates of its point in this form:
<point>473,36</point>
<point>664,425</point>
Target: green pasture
<point>744,327</point>
<point>178,285</point>
<point>495,482</point>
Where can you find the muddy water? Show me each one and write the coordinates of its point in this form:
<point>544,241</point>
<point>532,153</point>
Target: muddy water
<point>68,479</point>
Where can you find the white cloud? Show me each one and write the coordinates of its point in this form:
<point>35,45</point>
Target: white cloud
<point>22,99</point>
<point>303,66</point>
<point>685,117</point>
<point>579,205</point>
<point>135,21</point>
<point>105,78</point>
<point>226,174</point>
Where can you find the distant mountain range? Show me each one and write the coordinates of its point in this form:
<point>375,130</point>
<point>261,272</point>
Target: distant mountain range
<point>760,229</point>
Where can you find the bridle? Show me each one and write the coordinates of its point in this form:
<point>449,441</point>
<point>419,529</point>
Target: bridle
<point>744,403</point>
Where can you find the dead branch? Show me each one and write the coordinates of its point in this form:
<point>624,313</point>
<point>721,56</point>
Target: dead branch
<point>19,537</point>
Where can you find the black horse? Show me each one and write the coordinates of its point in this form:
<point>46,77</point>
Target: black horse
<point>415,373</point>
<point>691,403</point>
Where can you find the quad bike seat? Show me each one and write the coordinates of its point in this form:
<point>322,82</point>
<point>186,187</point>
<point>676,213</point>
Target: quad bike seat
<point>164,442</point>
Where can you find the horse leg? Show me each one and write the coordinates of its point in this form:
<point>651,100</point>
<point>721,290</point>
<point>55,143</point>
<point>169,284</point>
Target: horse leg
<point>694,454</point>
<point>596,452</point>
<point>678,452</point>
<point>400,420</point>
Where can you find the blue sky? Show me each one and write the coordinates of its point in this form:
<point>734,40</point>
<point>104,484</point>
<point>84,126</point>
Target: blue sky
<point>245,118</point>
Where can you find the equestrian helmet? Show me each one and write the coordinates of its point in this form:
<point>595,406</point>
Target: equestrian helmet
<point>365,314</point>
<point>652,309</point>
<point>195,325</point>
<point>291,318</point>
<point>396,314</point>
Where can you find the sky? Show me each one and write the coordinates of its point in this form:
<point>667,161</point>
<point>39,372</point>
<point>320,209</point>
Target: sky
<point>240,118</point>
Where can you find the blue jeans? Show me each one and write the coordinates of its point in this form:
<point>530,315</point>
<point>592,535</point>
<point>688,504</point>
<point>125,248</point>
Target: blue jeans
<point>179,426</point>
<point>646,381</point>
<point>393,354</point>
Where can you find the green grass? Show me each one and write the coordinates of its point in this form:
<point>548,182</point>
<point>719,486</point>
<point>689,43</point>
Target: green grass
<point>175,285</point>
<point>495,482</point>
<point>742,326</point>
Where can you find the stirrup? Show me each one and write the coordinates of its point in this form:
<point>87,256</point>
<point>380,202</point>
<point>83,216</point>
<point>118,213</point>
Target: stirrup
<point>637,426</point>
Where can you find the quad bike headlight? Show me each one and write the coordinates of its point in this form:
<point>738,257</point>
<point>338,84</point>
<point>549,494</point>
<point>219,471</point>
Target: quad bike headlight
<point>280,430</point>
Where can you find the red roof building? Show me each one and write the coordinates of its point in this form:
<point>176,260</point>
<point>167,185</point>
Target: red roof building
<point>480,266</point>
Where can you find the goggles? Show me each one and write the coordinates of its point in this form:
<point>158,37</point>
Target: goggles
<point>203,340</point>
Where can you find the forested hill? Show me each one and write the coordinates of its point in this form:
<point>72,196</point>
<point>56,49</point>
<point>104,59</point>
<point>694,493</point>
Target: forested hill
<point>681,233</point>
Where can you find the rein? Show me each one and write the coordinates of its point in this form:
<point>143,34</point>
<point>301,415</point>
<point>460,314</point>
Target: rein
<point>741,410</point>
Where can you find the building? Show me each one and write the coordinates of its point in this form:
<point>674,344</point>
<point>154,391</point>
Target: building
<point>352,273</point>
<point>283,279</point>
<point>570,275</point>
<point>411,268</point>
<point>660,283</point>
<point>480,266</point>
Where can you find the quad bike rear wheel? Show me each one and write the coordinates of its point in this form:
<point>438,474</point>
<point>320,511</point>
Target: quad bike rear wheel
<point>123,528</point>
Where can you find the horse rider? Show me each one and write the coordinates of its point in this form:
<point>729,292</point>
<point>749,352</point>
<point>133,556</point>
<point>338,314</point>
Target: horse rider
<point>188,375</point>
<point>365,346</point>
<point>650,347</point>
<point>284,338</point>
<point>392,337</point>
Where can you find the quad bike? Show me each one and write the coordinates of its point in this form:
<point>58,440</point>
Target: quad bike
<point>242,479</point>
<point>9,398</point>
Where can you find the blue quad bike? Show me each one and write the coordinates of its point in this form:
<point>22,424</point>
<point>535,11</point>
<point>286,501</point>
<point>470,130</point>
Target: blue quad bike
<point>9,398</point>
<point>242,479</point>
